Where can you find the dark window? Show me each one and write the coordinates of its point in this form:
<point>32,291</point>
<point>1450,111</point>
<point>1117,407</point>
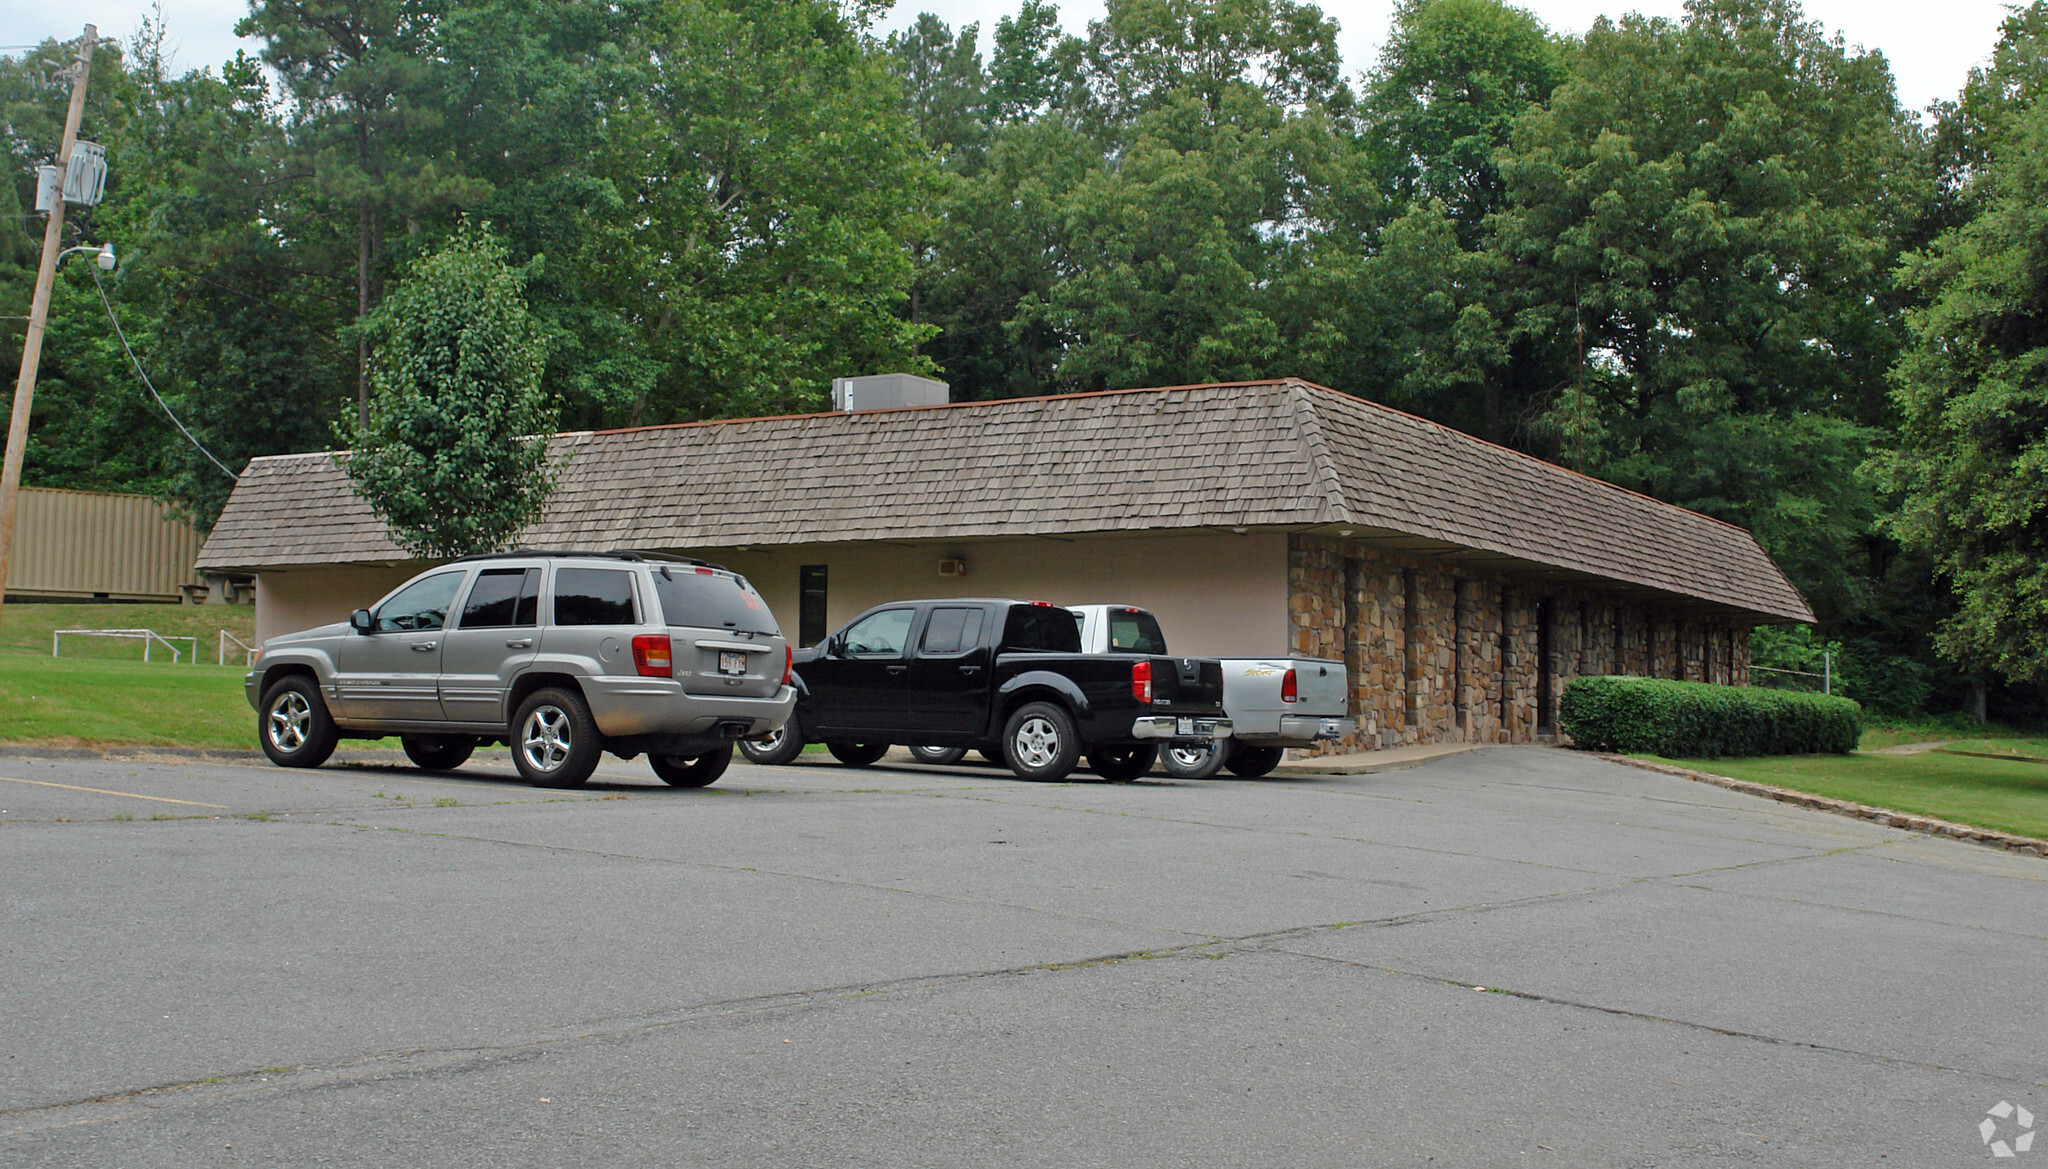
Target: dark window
<point>952,631</point>
<point>711,600</point>
<point>1135,631</point>
<point>502,597</point>
<point>1041,627</point>
<point>810,604</point>
<point>422,604</point>
<point>594,596</point>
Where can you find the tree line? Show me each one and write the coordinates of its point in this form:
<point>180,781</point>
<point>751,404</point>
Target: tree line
<point>1711,258</point>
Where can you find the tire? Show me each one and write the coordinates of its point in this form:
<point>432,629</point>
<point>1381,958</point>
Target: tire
<point>1123,764</point>
<point>689,771</point>
<point>294,726</point>
<point>1252,762</point>
<point>555,742</point>
<point>856,754</point>
<point>1194,761</point>
<point>1039,742</point>
<point>940,755</point>
<point>785,744</point>
<point>438,752</point>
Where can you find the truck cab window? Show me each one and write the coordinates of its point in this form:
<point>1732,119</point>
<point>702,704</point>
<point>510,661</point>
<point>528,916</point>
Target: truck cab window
<point>884,633</point>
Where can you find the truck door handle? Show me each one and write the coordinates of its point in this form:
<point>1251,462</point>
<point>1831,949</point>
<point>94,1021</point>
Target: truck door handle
<point>970,669</point>
<point>425,647</point>
<point>897,669</point>
<point>520,643</point>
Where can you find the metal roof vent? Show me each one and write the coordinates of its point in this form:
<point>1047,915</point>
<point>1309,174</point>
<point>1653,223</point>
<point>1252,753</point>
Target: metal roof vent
<point>885,391</point>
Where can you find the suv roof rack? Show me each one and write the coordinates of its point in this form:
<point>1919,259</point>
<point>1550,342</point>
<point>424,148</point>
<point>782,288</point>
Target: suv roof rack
<point>614,554</point>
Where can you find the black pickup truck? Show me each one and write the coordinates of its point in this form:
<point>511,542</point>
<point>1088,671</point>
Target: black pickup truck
<point>1005,677</point>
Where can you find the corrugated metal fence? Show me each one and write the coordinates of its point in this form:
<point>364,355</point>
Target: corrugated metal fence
<point>96,544</point>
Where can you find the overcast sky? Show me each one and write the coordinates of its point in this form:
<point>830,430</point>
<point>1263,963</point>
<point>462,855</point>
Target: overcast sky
<point>1931,46</point>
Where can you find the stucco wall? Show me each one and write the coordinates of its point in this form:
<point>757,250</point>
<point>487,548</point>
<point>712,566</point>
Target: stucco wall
<point>1215,595</point>
<point>301,598</point>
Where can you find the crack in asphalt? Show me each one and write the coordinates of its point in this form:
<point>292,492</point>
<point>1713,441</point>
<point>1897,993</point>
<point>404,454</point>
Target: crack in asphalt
<point>1688,1024</point>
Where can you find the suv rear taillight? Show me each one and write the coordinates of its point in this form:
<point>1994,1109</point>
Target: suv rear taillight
<point>1141,682</point>
<point>788,663</point>
<point>651,656</point>
<point>1290,691</point>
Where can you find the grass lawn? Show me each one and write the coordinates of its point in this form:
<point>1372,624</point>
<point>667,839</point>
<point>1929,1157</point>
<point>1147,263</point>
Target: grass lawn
<point>1985,793</point>
<point>92,701</point>
<point>25,628</point>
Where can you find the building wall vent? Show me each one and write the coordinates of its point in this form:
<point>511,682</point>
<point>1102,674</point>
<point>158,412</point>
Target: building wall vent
<point>884,391</point>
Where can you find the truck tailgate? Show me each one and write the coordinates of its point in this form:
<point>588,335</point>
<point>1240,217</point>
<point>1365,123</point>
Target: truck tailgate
<point>1187,684</point>
<point>1252,689</point>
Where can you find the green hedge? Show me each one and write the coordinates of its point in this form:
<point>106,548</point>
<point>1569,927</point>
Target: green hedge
<point>1694,720</point>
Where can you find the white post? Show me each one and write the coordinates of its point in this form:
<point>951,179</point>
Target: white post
<point>1827,671</point>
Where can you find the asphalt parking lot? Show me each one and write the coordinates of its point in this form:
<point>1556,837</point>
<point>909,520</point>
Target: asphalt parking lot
<point>1508,957</point>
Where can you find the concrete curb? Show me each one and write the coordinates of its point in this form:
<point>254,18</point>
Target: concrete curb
<point>2025,845</point>
<point>1369,762</point>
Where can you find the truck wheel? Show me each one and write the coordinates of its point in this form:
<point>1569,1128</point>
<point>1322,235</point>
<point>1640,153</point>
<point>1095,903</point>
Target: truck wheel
<point>438,752</point>
<point>295,728</point>
<point>856,754</point>
<point>1039,742</point>
<point>691,771</point>
<point>1194,760</point>
<point>781,746</point>
<point>1252,762</point>
<point>555,742</point>
<point>938,754</point>
<point>1123,764</point>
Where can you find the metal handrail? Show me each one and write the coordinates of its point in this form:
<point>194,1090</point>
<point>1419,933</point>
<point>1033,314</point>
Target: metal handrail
<point>1827,676</point>
<point>146,635</point>
<point>225,638</point>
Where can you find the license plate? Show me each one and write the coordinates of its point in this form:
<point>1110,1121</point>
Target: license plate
<point>730,662</point>
<point>1185,726</point>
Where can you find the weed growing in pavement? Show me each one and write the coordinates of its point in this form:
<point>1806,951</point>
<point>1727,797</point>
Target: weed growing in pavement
<point>263,817</point>
<point>445,802</point>
<point>163,816</point>
<point>123,816</point>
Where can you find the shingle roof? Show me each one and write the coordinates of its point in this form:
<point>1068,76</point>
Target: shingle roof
<point>1253,454</point>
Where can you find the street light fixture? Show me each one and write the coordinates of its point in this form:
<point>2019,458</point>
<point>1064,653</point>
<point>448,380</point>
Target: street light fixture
<point>105,259</point>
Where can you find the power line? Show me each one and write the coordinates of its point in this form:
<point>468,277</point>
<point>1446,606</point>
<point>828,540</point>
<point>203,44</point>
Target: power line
<point>145,377</point>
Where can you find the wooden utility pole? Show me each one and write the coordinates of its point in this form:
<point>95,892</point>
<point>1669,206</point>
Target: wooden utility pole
<point>39,310</point>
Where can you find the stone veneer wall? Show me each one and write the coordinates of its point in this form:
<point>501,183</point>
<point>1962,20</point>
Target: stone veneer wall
<point>1439,653</point>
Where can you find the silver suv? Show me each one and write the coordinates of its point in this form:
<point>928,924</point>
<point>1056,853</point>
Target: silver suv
<point>560,655</point>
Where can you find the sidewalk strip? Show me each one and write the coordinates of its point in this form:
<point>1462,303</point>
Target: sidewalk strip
<point>104,792</point>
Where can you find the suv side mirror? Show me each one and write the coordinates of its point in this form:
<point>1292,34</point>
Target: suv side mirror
<point>360,621</point>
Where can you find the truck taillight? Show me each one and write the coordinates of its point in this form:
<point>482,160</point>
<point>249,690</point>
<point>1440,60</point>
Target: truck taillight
<point>1141,682</point>
<point>651,656</point>
<point>788,664</point>
<point>1290,691</point>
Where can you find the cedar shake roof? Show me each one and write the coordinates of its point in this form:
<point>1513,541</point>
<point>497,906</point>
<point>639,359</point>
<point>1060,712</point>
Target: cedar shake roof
<point>1280,453</point>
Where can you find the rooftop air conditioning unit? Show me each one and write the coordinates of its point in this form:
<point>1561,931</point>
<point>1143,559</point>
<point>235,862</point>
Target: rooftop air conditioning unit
<point>887,391</point>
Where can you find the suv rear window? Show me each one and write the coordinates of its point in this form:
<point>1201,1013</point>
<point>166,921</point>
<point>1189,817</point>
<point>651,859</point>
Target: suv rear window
<point>1041,627</point>
<point>711,600</point>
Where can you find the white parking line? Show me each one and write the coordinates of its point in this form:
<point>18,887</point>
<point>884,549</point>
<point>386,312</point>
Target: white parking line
<point>104,792</point>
